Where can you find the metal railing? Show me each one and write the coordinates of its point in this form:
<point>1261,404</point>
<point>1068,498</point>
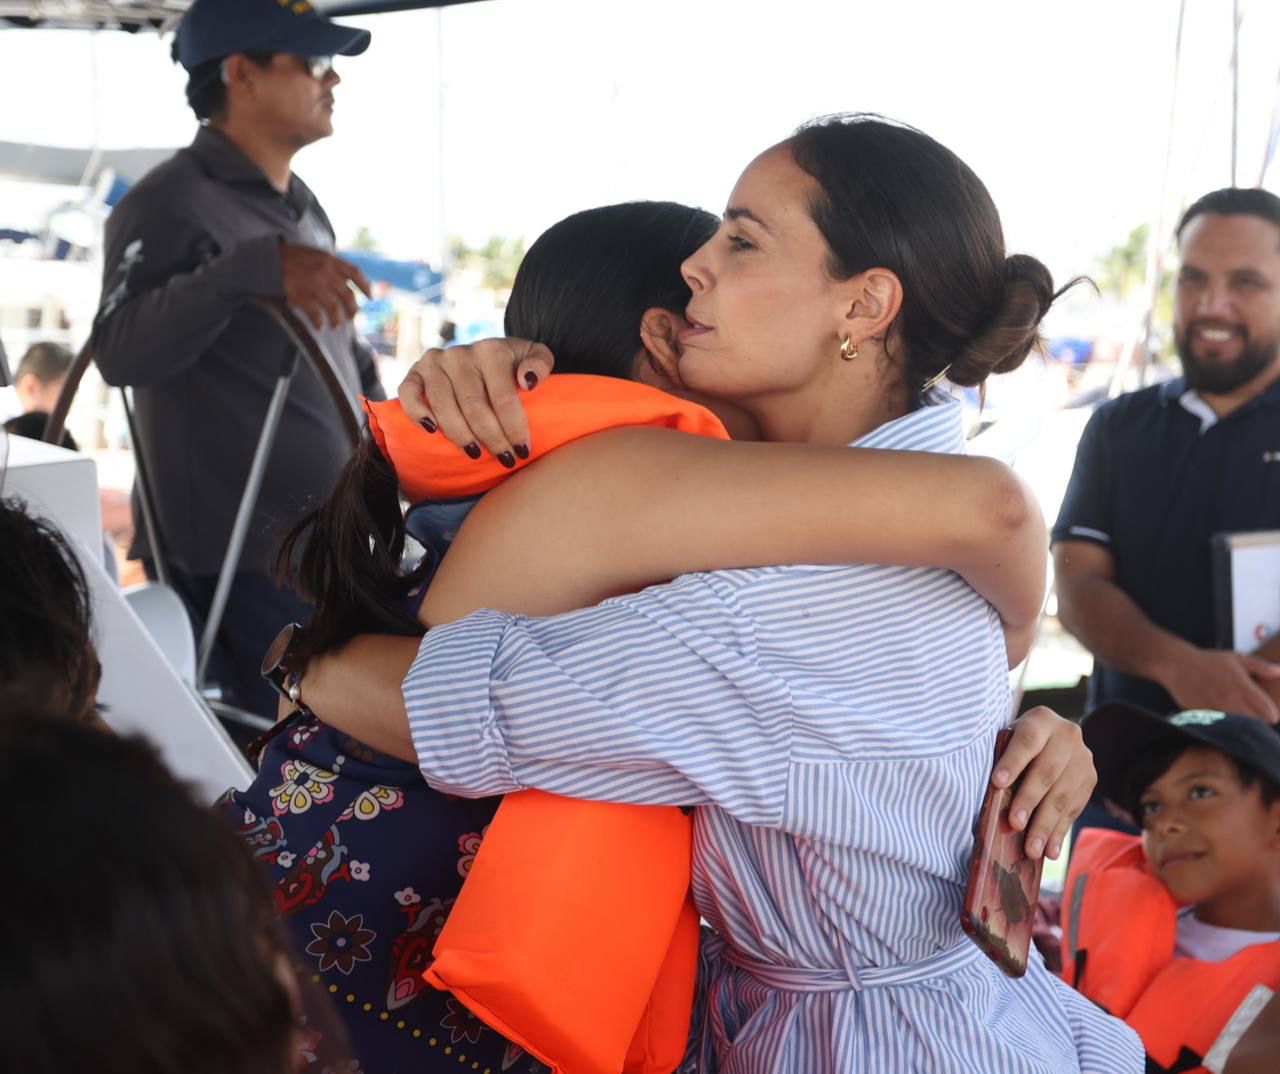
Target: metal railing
<point>305,346</point>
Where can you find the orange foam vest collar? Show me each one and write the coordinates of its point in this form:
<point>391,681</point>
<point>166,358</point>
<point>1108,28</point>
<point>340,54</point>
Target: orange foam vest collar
<point>1118,932</point>
<point>561,409</point>
<point>574,934</point>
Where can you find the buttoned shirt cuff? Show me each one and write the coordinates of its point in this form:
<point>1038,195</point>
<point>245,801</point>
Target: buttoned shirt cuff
<point>455,731</point>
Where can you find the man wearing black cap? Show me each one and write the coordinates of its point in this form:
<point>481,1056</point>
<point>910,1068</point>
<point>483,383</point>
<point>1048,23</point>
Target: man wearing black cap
<point>1178,931</point>
<point>220,223</point>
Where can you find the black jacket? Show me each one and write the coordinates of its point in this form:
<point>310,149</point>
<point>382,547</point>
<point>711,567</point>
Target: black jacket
<point>186,248</point>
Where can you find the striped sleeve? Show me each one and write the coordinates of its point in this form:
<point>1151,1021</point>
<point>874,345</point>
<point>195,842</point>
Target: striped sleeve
<point>652,698</point>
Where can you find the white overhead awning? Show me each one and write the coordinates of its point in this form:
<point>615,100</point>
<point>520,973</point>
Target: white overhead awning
<point>55,164</point>
<point>133,15</point>
<point>82,14</point>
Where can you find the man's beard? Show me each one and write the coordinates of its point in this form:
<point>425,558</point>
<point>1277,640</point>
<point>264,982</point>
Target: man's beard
<point>1219,378</point>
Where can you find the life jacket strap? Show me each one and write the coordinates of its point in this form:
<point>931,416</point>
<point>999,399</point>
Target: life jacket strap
<point>1186,1060</point>
<point>1237,1025</point>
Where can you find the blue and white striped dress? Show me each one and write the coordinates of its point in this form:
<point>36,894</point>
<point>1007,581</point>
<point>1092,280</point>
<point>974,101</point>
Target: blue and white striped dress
<point>835,725</point>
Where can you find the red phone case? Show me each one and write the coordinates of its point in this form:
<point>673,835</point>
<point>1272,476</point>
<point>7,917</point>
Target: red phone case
<point>1004,884</point>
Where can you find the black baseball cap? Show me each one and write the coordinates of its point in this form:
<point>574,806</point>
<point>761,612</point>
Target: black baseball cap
<point>1120,735</point>
<point>213,29</point>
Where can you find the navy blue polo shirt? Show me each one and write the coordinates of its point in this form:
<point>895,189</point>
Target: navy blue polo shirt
<point>1156,476</point>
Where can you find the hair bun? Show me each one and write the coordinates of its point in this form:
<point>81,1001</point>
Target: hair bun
<point>1013,330</point>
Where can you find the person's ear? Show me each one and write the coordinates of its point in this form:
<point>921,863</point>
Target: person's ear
<point>239,71</point>
<point>871,302</point>
<point>27,388</point>
<point>1273,824</point>
<point>660,359</point>
<point>232,69</point>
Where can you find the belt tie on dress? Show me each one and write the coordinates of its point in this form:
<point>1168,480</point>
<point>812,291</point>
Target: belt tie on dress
<point>805,979</point>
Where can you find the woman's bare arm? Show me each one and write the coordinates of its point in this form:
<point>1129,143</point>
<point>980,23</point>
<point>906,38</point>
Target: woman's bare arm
<point>631,507</point>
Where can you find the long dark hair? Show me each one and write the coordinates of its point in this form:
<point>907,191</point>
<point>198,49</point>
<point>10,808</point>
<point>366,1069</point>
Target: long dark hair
<point>47,659</point>
<point>140,938</point>
<point>581,290</point>
<point>345,557</point>
<point>892,197</point>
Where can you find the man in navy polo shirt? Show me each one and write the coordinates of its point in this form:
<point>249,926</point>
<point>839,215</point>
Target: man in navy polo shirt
<point>1160,471</point>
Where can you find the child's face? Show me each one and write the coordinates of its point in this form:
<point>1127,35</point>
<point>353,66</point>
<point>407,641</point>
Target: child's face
<point>1205,835</point>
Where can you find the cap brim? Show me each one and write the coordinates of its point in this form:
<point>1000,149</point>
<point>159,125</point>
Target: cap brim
<point>1119,735</point>
<point>320,37</point>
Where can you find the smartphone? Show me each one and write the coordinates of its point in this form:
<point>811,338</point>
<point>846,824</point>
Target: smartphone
<point>1000,898</point>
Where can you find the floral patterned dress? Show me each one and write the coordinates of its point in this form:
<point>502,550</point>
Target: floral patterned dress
<point>364,861</point>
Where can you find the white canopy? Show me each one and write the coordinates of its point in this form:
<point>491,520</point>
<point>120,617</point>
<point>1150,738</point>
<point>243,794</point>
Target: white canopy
<point>133,15</point>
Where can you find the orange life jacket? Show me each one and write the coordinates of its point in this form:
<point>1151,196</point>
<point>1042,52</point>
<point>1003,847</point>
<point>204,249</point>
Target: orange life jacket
<point>565,407</point>
<point>574,934</point>
<point>1119,925</point>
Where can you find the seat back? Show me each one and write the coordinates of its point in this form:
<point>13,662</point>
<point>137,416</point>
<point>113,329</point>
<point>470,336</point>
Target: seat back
<point>165,617</point>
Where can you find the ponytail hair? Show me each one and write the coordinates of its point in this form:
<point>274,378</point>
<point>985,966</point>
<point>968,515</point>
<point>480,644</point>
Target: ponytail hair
<point>345,558</point>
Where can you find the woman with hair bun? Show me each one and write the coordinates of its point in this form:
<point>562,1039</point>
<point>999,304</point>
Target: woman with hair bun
<point>833,724</point>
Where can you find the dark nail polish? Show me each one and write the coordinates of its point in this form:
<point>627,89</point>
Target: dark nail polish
<point>507,459</point>
<point>473,449</point>
<point>522,450</point>
<point>428,424</point>
<point>531,379</point>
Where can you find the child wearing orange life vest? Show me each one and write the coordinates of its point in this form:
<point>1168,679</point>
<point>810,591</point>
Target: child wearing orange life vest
<point>1177,931</point>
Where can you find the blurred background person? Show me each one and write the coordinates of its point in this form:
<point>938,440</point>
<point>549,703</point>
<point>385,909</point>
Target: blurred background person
<point>47,657</point>
<point>37,383</point>
<point>140,939</point>
<point>1160,470</point>
<point>220,223</point>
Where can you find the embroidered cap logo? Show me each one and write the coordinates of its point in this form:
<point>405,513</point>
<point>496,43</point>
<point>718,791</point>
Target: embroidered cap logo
<point>1197,718</point>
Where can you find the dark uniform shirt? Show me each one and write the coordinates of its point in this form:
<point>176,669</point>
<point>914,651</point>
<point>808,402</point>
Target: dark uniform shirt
<point>186,249</point>
<point>1156,476</point>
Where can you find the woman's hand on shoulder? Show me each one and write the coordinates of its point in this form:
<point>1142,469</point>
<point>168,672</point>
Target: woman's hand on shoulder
<point>471,393</point>
<point>1058,777</point>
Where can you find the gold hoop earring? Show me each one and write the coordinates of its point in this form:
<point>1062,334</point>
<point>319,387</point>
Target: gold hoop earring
<point>848,349</point>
